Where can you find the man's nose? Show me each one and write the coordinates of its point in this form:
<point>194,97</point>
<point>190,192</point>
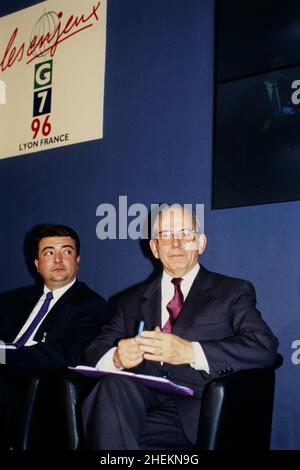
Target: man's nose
<point>57,257</point>
<point>176,241</point>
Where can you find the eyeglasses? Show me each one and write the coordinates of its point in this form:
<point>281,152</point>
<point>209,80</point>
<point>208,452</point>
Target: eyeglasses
<point>185,235</point>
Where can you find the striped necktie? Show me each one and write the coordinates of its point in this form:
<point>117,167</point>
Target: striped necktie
<point>35,322</point>
<point>174,306</point>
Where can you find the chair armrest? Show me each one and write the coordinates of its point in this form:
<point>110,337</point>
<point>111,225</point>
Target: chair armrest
<point>237,410</point>
<point>74,389</point>
<point>50,418</point>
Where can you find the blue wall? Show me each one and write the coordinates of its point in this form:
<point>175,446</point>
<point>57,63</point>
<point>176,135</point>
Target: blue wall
<point>157,146</point>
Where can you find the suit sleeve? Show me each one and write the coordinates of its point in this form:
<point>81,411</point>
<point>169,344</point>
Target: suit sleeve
<point>105,340</point>
<point>251,344</point>
<point>62,349</point>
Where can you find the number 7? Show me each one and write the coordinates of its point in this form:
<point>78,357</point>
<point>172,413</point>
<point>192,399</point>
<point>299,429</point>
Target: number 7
<point>43,96</point>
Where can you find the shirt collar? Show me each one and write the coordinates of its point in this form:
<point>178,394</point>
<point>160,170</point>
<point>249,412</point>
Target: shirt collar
<point>57,293</point>
<point>188,277</point>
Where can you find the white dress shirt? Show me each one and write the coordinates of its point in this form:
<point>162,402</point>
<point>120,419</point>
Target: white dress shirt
<point>167,292</point>
<point>57,293</point>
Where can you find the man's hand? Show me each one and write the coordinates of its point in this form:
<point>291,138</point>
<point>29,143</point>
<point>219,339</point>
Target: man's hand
<point>127,354</point>
<point>165,347</point>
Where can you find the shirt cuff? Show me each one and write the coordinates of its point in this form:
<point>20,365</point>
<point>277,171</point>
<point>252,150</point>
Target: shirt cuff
<point>106,361</point>
<point>200,358</point>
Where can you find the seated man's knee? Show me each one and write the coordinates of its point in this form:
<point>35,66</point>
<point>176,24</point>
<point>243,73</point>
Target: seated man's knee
<point>118,386</point>
<point>117,381</point>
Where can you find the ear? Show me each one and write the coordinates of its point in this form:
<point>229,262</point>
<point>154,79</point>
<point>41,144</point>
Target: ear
<point>36,262</point>
<point>78,259</point>
<point>202,243</point>
<point>153,247</point>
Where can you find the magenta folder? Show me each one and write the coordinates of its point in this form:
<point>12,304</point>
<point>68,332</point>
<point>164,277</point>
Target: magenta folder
<point>149,380</point>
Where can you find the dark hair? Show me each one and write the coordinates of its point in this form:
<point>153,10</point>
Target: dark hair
<point>52,230</point>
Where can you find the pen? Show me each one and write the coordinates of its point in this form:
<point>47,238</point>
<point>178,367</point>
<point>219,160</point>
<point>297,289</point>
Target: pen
<point>44,337</point>
<point>141,327</point>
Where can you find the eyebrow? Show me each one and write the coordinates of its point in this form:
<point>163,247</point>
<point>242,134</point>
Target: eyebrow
<point>53,247</point>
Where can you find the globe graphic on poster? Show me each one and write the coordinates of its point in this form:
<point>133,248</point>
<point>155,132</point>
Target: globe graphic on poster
<point>43,31</point>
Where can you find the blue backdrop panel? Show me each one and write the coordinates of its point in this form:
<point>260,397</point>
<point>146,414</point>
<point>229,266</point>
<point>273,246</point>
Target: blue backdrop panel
<point>157,146</point>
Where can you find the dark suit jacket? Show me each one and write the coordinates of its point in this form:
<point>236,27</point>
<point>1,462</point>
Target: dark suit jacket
<point>219,312</point>
<point>69,326</point>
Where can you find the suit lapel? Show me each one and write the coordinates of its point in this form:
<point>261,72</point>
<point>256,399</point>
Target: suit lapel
<point>56,309</point>
<point>21,305</point>
<point>66,296</point>
<point>200,294</point>
<point>30,302</point>
<point>151,304</point>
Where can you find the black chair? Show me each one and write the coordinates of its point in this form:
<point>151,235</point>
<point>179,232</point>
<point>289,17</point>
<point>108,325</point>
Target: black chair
<point>236,411</point>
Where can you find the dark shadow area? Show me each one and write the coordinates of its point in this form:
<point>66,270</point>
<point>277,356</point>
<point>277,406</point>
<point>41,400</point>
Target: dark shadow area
<point>29,255</point>
<point>8,300</point>
<point>12,307</point>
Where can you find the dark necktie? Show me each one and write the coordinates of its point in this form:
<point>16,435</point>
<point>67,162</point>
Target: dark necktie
<point>37,319</point>
<point>174,306</point>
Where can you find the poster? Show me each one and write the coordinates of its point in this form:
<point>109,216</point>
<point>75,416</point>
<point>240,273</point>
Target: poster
<point>52,66</point>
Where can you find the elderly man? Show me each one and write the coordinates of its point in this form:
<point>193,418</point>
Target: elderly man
<point>198,325</point>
